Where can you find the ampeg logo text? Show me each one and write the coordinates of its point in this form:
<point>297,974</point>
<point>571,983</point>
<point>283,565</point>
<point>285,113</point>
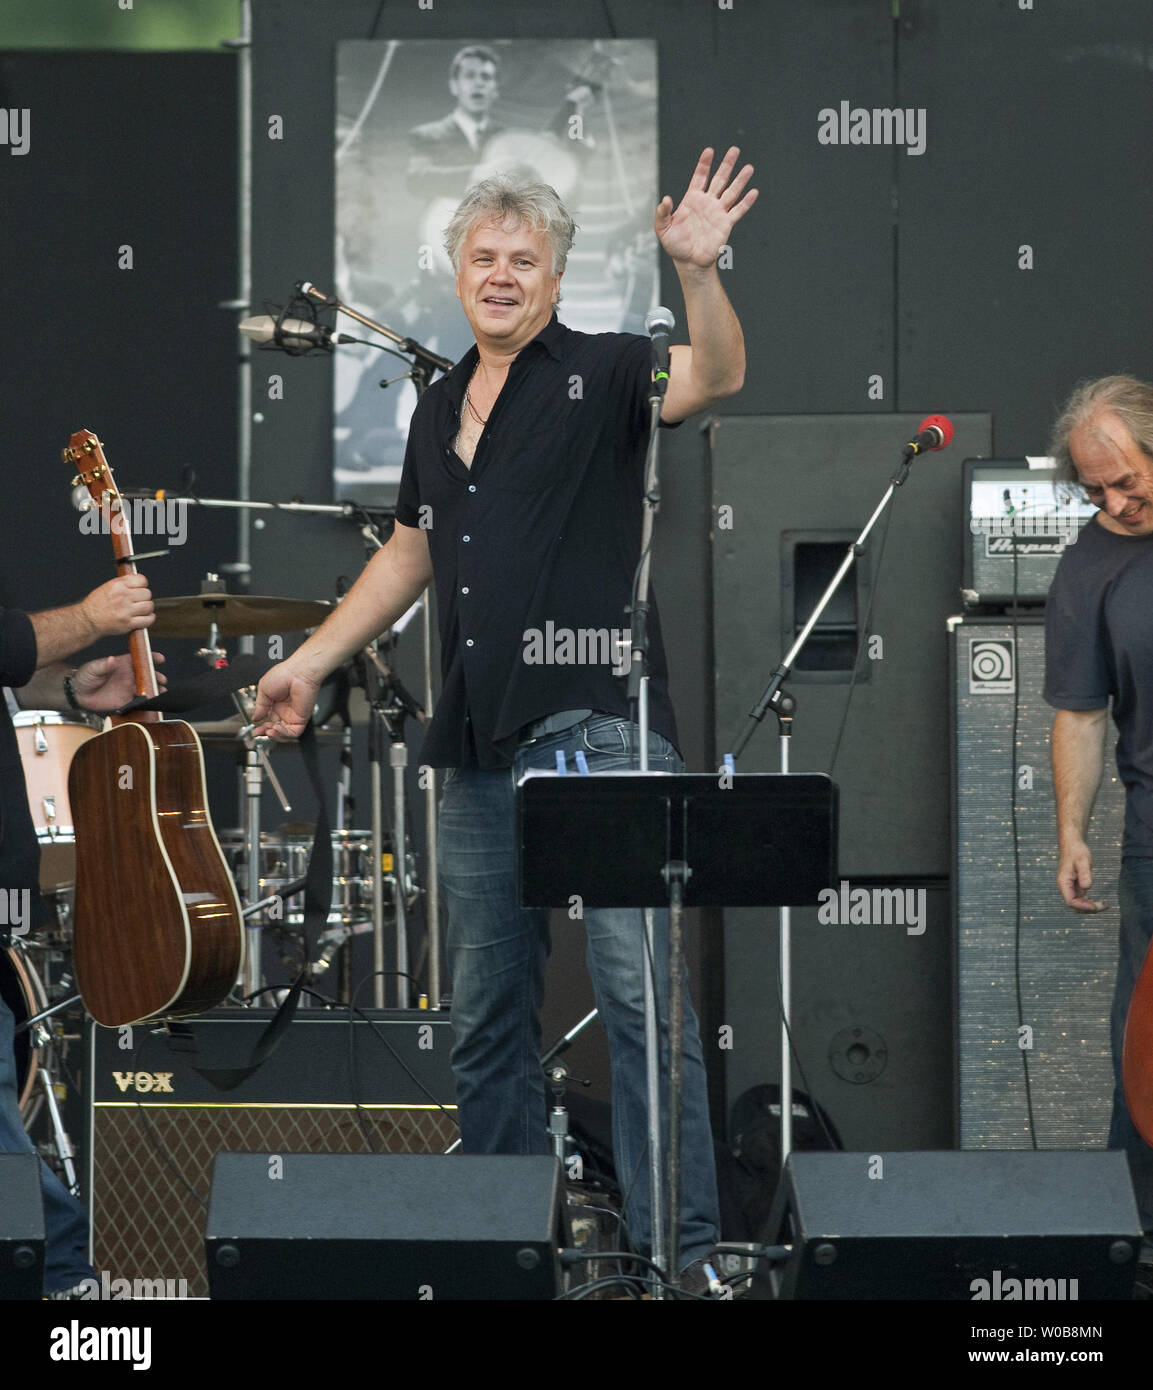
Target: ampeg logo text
<point>992,669</point>
<point>1027,545</point>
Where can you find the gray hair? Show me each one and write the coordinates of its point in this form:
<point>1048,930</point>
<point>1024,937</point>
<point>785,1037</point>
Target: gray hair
<point>505,198</point>
<point>1126,397</point>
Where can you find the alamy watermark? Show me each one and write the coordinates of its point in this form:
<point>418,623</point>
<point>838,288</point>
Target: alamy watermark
<point>106,1287</point>
<point>141,516</point>
<point>16,910</point>
<point>1009,1290</point>
<point>582,646</point>
<point>877,125</point>
<point>873,907</point>
<point>84,1343</point>
<point>16,128</point>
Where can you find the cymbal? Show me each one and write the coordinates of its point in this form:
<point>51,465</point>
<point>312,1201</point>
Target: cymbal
<point>236,615</point>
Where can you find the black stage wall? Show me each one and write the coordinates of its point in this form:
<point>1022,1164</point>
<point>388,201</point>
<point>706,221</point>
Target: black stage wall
<point>126,150</point>
<point>858,263</point>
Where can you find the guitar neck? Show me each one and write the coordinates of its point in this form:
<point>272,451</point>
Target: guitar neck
<point>143,667</point>
<point>86,451</point>
<point>139,645</point>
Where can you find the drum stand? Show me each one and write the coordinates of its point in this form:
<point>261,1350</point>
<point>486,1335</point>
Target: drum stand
<point>558,1079</point>
<point>256,767</point>
<point>64,1150</point>
<point>390,704</point>
<point>40,1040</point>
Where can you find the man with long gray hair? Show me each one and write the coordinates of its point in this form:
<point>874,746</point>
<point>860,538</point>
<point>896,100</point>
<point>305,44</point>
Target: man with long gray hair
<point>521,495</point>
<point>1099,648</point>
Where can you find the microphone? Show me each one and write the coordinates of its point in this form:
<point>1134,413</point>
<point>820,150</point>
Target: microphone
<point>659,323</point>
<point>936,432</point>
<point>267,329</point>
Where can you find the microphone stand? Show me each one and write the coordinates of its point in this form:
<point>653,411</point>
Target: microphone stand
<point>389,704</point>
<point>783,705</point>
<point>664,1200</point>
<point>425,362</point>
<point>349,509</point>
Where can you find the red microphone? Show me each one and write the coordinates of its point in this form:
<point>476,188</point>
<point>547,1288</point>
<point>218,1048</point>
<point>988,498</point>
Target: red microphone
<point>935,432</point>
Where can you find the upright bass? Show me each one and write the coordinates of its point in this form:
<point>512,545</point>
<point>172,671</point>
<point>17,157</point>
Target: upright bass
<point>157,925</point>
<point>1137,1054</point>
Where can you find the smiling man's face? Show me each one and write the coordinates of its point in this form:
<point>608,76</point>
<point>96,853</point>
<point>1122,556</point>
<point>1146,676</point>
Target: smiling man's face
<point>1116,475</point>
<point>506,284</point>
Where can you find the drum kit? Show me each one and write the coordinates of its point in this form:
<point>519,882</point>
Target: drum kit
<point>373,887</point>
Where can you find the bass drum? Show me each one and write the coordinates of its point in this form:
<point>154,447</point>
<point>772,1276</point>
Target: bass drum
<point>24,993</point>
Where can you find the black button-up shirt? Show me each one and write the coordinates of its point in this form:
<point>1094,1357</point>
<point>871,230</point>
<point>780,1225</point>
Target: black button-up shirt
<point>534,548</point>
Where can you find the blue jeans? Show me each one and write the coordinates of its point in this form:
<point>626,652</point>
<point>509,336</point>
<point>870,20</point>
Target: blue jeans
<point>65,1220</point>
<point>1135,892</point>
<point>497,952</point>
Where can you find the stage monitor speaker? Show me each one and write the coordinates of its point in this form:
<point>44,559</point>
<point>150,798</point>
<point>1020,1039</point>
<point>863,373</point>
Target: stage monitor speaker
<point>381,1083</point>
<point>1040,1075</point>
<point>385,1226</point>
<point>21,1227</point>
<point>974,1226</point>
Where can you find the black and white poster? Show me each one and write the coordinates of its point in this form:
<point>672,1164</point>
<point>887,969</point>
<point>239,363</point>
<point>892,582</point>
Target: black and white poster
<point>419,122</point>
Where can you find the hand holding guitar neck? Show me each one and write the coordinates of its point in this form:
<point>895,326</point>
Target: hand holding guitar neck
<point>107,684</point>
<point>122,605</point>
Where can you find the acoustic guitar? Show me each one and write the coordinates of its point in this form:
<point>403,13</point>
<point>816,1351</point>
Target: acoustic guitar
<point>157,926</point>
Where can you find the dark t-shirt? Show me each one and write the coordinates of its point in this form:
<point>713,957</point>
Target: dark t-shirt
<point>1099,647</point>
<point>534,548</point>
<point>19,850</point>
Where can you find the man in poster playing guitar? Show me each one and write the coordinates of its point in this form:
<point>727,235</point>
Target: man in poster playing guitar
<point>521,496</point>
<point>33,670</point>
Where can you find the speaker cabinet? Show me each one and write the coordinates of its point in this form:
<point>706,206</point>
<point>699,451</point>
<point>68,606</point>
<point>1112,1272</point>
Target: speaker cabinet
<point>975,1226</point>
<point>1013,928</point>
<point>384,1226</point>
<point>21,1227</point>
<point>790,493</point>
<point>381,1084</point>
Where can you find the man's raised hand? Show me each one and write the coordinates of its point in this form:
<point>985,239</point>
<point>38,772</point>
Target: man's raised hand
<point>694,232</point>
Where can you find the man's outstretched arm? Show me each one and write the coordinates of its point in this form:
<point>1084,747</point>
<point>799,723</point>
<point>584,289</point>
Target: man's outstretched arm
<point>390,584</point>
<point>694,233</point>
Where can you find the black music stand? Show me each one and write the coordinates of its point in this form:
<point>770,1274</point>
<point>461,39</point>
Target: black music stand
<point>676,840</point>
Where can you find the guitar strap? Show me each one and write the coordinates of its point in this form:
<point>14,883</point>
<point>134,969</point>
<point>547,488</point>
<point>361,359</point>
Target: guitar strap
<point>317,904</point>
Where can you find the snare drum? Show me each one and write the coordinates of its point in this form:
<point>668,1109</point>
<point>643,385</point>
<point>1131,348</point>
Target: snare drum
<point>24,993</point>
<point>48,742</point>
<point>284,859</point>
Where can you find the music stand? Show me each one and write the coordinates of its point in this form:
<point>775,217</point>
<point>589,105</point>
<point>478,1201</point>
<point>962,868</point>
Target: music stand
<point>678,840</point>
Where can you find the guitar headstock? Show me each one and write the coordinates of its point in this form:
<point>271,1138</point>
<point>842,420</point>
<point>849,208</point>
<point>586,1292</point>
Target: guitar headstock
<point>86,454</point>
